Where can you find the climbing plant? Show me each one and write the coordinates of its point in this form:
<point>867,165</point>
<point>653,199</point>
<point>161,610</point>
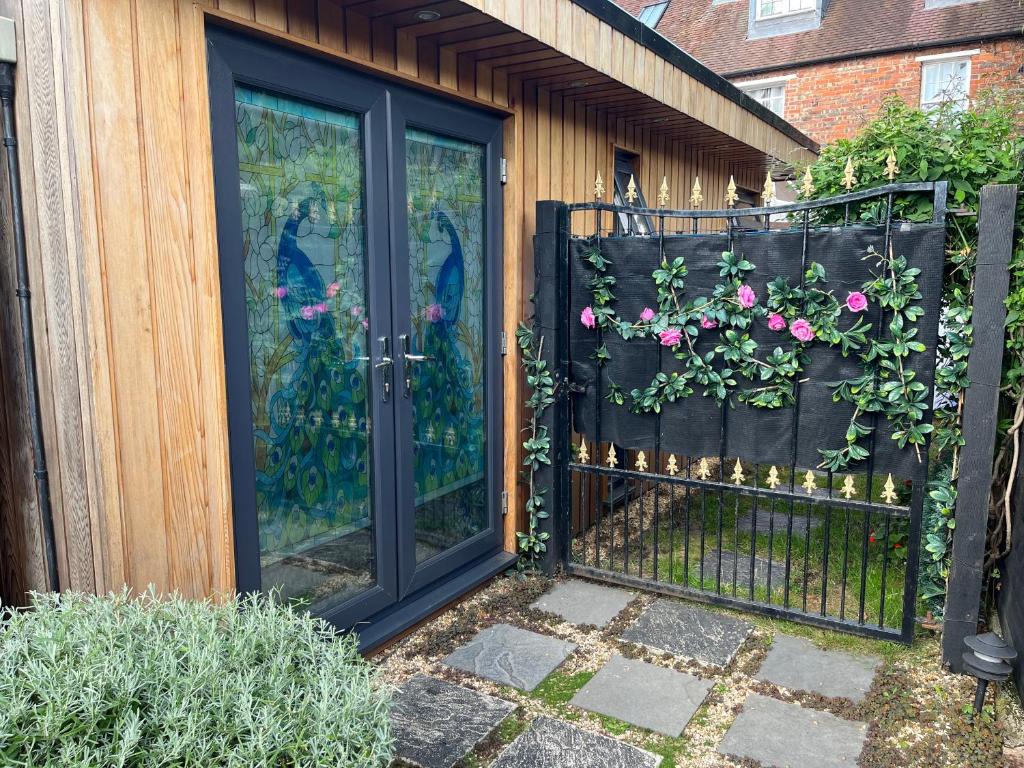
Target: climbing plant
<point>969,148</point>
<point>804,315</point>
<point>537,446</point>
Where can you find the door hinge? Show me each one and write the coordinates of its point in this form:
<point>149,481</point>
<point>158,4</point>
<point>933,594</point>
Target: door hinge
<point>503,170</point>
<point>504,503</point>
<point>504,344</point>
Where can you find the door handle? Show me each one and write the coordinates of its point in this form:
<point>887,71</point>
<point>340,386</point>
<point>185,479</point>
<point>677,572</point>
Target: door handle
<point>408,358</point>
<point>385,365</point>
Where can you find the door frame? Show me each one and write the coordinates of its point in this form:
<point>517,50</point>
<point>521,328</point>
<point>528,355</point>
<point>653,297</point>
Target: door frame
<point>402,596</point>
<point>421,111</point>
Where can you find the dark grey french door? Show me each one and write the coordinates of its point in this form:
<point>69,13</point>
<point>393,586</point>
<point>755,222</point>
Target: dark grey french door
<point>359,231</point>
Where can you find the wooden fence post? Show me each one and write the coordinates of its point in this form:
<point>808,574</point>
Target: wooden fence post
<point>980,417</point>
<point>550,300</point>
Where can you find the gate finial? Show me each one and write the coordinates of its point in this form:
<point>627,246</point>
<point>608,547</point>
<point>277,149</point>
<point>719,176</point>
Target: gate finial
<point>703,470</point>
<point>631,193</point>
<point>613,460</point>
<point>891,169</point>
<point>807,187</point>
<point>584,454</point>
<point>641,462</point>
<point>773,478</point>
<point>848,489</point>
<point>849,180</point>
<point>696,195</point>
<point>889,490</point>
<point>809,483</point>
<point>598,186</point>
<point>730,193</point>
<point>768,192</point>
<point>663,192</point>
<point>673,467</point>
<point>737,473</point>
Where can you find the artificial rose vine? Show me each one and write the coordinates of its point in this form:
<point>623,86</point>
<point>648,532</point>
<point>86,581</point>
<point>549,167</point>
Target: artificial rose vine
<point>808,312</point>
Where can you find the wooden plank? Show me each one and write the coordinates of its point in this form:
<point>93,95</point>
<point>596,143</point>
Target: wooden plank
<point>165,146</point>
<point>302,19</point>
<point>56,288</point>
<point>331,31</point>
<point>241,8</point>
<point>980,420</point>
<point>357,34</point>
<point>274,14</point>
<point>128,312</point>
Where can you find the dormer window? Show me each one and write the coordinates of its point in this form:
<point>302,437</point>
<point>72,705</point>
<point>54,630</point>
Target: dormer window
<point>771,9</point>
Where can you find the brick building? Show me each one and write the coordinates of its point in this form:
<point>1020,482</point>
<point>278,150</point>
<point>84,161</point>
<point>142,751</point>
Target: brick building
<point>825,65</point>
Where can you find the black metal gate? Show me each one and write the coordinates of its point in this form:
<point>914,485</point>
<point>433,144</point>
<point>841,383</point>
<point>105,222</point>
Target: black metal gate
<point>725,502</point>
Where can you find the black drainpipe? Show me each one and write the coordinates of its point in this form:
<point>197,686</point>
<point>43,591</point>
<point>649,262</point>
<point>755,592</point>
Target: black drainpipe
<point>25,305</point>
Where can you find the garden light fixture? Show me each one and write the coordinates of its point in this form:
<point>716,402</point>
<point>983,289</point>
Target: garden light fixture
<point>427,15</point>
<point>988,658</point>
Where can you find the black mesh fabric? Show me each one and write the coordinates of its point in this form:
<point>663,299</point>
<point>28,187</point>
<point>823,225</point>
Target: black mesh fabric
<point>696,426</point>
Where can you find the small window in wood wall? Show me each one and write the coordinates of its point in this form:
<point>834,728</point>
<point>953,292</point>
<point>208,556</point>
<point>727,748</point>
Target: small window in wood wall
<point>627,165</point>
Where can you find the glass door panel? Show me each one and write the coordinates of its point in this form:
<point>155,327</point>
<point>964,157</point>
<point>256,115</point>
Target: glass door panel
<point>444,360</point>
<point>304,245</point>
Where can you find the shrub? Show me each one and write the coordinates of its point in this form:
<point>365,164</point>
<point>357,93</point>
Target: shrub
<point>142,681</point>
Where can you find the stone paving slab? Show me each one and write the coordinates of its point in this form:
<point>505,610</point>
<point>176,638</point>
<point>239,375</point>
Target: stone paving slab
<point>742,566</point>
<point>643,694</point>
<point>583,602</point>
<point>783,735</point>
<point>777,521</point>
<point>684,630</point>
<point>436,724</point>
<point>799,665</point>
<point>550,743</point>
<point>511,656</point>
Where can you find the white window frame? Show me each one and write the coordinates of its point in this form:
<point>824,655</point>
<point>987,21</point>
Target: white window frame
<point>769,82</point>
<point>942,58</point>
<point>759,15</point>
<point>661,13</point>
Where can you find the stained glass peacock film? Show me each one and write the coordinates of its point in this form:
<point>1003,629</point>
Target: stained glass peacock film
<point>302,200</point>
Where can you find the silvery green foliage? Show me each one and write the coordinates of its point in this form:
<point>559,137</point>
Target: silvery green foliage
<point>141,681</point>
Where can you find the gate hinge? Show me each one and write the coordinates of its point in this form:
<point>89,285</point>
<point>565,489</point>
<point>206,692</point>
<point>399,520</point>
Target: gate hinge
<point>504,344</point>
<point>503,170</point>
<point>504,503</point>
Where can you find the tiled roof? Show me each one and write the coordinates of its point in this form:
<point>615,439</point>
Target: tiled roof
<point>716,34</point>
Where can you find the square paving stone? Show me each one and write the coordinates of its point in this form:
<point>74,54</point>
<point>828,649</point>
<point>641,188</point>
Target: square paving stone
<point>800,665</point>
<point>742,566</point>
<point>783,735</point>
<point>436,724</point>
<point>550,743</point>
<point>582,602</point>
<point>643,694</point>
<point>693,633</point>
<point>511,656</point>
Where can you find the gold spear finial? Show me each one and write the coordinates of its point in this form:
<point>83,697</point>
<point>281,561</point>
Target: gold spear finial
<point>737,473</point>
<point>730,193</point>
<point>696,195</point>
<point>584,453</point>
<point>807,187</point>
<point>773,478</point>
<point>673,467</point>
<point>598,186</point>
<point>663,193</point>
<point>848,489</point>
<point>849,180</point>
<point>891,169</point>
<point>809,483</point>
<point>889,490</point>
<point>641,462</point>
<point>613,460</point>
<point>631,193</point>
<point>768,192</point>
<point>703,470</point>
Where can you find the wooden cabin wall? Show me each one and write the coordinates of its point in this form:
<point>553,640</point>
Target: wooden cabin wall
<point>123,245</point>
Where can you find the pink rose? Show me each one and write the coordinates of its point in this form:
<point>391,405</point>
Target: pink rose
<point>587,317</point>
<point>802,330</point>
<point>366,323</point>
<point>707,323</point>
<point>307,312</point>
<point>280,291</point>
<point>746,296</point>
<point>647,315</point>
<point>670,337</point>
<point>856,301</point>
<point>776,322</point>
<point>356,311</point>
<point>320,308</point>
<point>332,290</point>
<point>435,313</point>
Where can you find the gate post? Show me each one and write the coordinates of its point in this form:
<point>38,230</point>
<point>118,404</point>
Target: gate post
<point>980,417</point>
<point>551,306</point>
